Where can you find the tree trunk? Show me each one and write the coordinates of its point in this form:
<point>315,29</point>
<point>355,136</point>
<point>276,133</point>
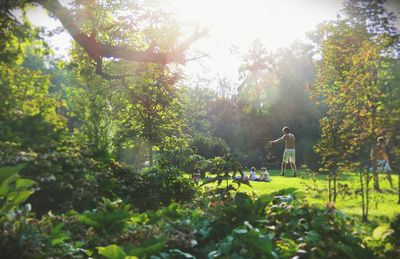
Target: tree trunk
<point>151,154</point>
<point>398,186</point>
<point>334,186</point>
<point>367,178</point>
<point>363,217</point>
<point>330,186</point>
<point>375,177</point>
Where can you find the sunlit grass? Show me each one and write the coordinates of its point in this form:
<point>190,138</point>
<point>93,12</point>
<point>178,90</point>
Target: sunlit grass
<point>383,206</point>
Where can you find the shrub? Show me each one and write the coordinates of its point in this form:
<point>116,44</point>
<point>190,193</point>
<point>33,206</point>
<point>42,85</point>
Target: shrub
<point>209,147</point>
<point>161,186</point>
<point>70,179</point>
<point>67,180</point>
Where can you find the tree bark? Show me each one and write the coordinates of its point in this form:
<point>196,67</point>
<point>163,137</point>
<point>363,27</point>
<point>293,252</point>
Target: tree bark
<point>151,154</point>
<point>334,186</point>
<point>398,187</point>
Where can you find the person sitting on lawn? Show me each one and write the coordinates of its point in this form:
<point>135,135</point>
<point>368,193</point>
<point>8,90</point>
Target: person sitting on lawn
<point>264,175</point>
<point>253,175</point>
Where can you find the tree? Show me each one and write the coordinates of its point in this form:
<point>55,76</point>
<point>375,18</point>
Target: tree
<point>257,88</point>
<point>98,28</point>
<point>351,79</point>
<point>155,106</point>
<point>196,105</point>
<point>28,110</point>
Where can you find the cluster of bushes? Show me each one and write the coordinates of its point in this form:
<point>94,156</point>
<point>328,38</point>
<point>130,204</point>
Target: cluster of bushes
<point>66,204</point>
<point>209,147</point>
<point>278,225</point>
<point>71,179</point>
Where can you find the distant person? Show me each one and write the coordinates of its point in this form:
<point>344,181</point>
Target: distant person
<point>289,155</point>
<point>380,160</point>
<point>253,175</point>
<point>264,175</point>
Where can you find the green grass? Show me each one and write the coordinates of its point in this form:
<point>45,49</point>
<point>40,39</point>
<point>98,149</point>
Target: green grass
<point>383,206</point>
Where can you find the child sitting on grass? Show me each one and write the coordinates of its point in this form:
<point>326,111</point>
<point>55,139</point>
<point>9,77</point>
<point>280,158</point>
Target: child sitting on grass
<point>253,175</point>
<point>264,175</point>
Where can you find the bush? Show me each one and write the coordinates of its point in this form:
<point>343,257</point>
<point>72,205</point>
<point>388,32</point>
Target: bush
<point>209,147</point>
<point>270,226</point>
<point>67,180</point>
<point>162,186</point>
<point>70,179</point>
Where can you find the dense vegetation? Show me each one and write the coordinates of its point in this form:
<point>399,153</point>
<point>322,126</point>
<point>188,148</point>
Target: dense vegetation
<point>97,152</point>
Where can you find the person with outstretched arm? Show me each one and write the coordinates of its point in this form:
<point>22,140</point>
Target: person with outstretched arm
<point>289,155</point>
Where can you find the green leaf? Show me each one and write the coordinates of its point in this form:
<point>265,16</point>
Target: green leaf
<point>347,250</point>
<point>112,252</point>
<point>262,202</point>
<point>8,171</point>
<point>6,184</point>
<point>312,237</point>
<point>379,231</point>
<point>18,197</point>
<point>181,253</point>
<point>24,183</point>
<point>89,221</point>
<point>150,246</point>
<point>285,191</point>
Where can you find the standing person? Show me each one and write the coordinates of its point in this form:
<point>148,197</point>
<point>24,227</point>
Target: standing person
<point>289,155</point>
<point>380,160</point>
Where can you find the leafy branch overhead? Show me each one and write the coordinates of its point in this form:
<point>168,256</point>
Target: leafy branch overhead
<point>98,50</point>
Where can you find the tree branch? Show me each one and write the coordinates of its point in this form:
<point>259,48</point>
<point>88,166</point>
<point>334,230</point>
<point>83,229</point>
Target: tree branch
<point>98,50</point>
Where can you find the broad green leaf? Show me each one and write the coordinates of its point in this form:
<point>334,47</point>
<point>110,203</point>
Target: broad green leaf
<point>379,231</point>
<point>19,197</point>
<point>6,186</point>
<point>7,171</point>
<point>151,246</point>
<point>24,183</point>
<point>181,253</point>
<point>112,252</point>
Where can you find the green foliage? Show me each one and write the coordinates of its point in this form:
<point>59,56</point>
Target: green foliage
<point>154,103</point>
<point>70,179</point>
<point>109,220</point>
<point>271,226</point>
<point>67,180</point>
<point>246,242</point>
<point>112,252</point>
<point>222,170</point>
<point>209,147</point>
<point>14,190</point>
<point>28,113</point>
<point>352,84</point>
<point>395,226</point>
<point>68,125</point>
<point>273,93</point>
<point>161,186</point>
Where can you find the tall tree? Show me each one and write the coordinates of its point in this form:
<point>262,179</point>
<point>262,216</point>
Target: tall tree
<point>28,109</point>
<point>351,82</point>
<point>98,28</point>
<point>155,106</point>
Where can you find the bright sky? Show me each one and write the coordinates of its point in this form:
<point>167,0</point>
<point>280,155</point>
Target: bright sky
<point>235,25</point>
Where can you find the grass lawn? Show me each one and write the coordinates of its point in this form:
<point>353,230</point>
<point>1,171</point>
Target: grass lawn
<point>383,206</point>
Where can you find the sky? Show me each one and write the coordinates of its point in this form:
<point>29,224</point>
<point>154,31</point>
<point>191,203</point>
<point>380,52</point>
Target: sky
<point>234,24</point>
